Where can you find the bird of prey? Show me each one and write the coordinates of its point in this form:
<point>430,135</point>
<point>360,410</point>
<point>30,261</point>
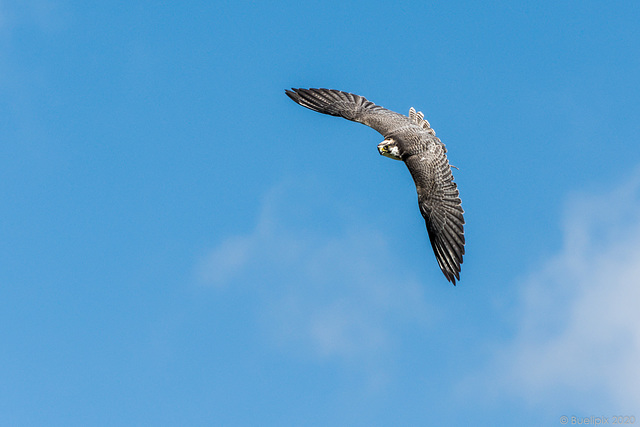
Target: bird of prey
<point>410,139</point>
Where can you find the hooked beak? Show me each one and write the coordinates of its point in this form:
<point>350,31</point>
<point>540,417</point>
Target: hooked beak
<point>383,147</point>
<point>388,149</point>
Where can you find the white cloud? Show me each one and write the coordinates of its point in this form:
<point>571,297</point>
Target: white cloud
<point>227,260</point>
<point>328,296</point>
<point>578,335</point>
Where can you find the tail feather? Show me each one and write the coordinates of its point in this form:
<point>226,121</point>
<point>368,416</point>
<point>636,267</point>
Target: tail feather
<point>418,118</point>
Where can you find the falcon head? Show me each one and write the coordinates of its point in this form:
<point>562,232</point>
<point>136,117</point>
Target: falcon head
<point>389,148</point>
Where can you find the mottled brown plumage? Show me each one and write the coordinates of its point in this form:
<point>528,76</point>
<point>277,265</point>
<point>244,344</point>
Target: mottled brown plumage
<point>410,139</point>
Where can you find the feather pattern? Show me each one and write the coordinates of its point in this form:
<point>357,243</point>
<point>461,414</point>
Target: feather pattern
<point>425,157</point>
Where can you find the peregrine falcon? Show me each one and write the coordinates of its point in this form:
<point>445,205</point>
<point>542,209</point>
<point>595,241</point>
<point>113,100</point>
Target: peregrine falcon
<point>410,139</point>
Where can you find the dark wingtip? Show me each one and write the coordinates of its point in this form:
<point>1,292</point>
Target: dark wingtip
<point>451,277</point>
<point>292,93</point>
<point>452,273</point>
<point>455,275</point>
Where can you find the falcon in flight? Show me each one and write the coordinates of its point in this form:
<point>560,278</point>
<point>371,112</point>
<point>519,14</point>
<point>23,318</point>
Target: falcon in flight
<point>410,139</point>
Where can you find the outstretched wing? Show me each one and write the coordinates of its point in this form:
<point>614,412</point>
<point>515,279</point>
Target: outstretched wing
<point>440,206</point>
<point>437,193</point>
<point>351,107</point>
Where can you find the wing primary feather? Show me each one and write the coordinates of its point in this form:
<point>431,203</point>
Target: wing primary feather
<point>349,106</point>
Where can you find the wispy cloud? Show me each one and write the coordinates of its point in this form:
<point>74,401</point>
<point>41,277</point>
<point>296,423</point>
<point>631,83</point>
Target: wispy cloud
<point>45,15</point>
<point>333,297</point>
<point>578,323</point>
<point>328,296</point>
<point>36,16</point>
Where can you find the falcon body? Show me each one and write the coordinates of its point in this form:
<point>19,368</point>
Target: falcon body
<point>410,139</point>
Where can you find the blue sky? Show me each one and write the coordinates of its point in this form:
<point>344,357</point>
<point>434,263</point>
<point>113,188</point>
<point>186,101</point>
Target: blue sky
<point>181,244</point>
